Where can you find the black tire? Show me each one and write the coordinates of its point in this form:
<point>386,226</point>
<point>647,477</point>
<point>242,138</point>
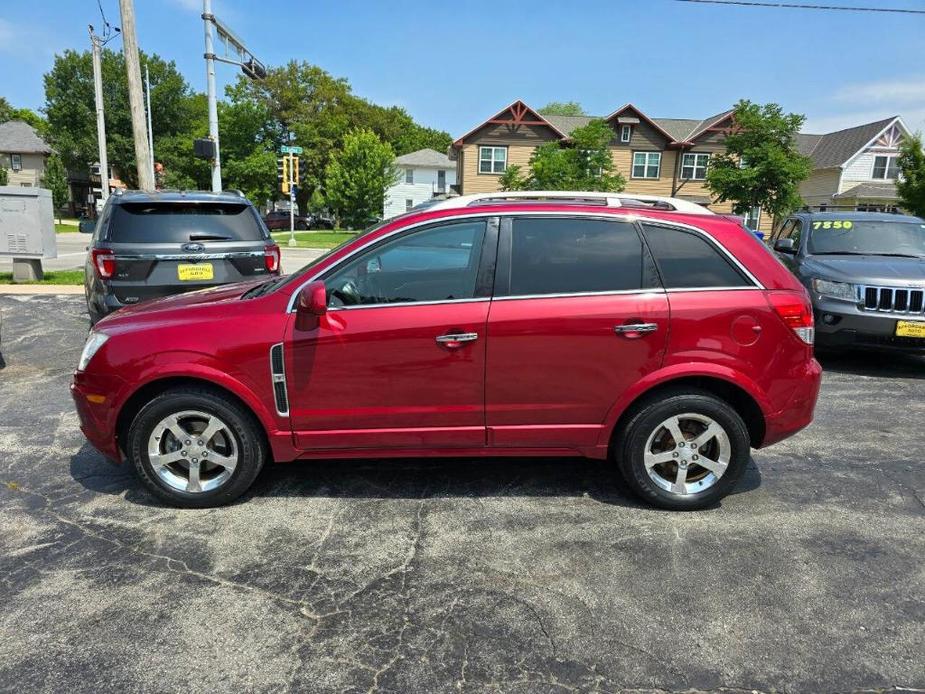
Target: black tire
<point>630,448</point>
<point>301,226</point>
<point>249,439</point>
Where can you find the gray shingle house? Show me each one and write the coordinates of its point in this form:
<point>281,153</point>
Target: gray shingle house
<point>22,153</point>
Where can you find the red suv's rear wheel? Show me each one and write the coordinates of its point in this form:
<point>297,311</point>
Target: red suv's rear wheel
<point>684,451</point>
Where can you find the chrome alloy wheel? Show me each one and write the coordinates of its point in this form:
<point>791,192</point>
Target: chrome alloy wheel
<point>687,453</point>
<point>193,451</point>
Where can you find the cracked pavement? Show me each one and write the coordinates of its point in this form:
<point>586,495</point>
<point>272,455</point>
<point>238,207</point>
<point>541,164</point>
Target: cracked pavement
<point>460,576</point>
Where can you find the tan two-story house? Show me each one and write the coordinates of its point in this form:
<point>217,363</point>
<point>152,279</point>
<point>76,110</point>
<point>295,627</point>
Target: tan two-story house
<point>656,156</point>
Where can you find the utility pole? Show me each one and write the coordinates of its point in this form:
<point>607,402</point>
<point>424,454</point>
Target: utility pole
<point>97,44</point>
<point>135,98</point>
<point>208,18</point>
<point>150,131</point>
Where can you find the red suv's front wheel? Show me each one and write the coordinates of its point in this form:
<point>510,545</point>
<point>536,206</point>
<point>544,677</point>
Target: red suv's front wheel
<point>684,451</point>
<point>195,447</point>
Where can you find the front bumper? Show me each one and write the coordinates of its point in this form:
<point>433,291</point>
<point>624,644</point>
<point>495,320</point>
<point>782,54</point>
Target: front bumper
<point>841,324</point>
<point>98,417</point>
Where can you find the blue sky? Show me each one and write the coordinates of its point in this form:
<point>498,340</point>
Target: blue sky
<point>454,64</point>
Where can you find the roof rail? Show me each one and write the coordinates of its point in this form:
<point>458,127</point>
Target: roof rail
<point>651,202</point>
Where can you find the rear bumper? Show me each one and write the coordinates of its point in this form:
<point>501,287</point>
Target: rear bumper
<point>798,413</point>
<point>840,324</point>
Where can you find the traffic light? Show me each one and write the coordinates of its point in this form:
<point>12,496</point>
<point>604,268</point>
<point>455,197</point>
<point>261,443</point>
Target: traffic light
<point>295,169</point>
<point>282,173</point>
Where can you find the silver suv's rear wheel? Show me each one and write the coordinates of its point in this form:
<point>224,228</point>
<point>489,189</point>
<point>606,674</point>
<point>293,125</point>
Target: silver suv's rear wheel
<point>196,447</point>
<point>685,450</point>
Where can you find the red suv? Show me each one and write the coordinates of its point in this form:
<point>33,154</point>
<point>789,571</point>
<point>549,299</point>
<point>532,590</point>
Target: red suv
<point>667,342</point>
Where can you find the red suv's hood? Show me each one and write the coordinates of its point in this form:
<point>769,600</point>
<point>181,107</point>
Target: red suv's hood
<point>214,295</point>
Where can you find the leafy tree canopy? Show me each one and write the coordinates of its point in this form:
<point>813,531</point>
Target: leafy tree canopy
<point>761,165</point>
<point>911,185</point>
<point>9,112</point>
<point>71,112</point>
<point>357,177</point>
<point>584,163</point>
<point>563,108</point>
<point>55,180</point>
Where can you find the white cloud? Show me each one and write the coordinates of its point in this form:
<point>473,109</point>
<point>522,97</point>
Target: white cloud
<point>854,104</point>
<point>189,5</point>
<point>907,91</point>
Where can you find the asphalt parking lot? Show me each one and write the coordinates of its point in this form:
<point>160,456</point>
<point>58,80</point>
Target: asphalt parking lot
<point>460,576</point>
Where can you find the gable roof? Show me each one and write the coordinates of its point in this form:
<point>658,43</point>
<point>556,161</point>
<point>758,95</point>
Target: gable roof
<point>708,123</point>
<point>566,124</point>
<point>834,149</point>
<point>643,116</point>
<point>427,158</point>
<point>19,137</point>
<point>518,110</point>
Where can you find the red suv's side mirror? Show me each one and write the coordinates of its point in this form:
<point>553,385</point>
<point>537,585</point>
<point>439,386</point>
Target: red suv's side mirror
<point>313,299</point>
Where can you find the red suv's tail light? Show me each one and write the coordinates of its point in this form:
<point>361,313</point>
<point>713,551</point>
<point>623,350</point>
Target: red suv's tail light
<point>271,258</point>
<point>104,262</point>
<point>795,309</point>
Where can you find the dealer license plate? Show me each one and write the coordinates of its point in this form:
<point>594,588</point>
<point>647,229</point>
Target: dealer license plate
<point>910,328</point>
<point>195,272</point>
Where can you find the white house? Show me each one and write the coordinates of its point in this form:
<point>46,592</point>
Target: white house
<point>855,168</point>
<point>424,174</point>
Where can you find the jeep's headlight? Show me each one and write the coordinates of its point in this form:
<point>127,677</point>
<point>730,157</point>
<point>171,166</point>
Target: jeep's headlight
<point>92,346</point>
<point>835,290</point>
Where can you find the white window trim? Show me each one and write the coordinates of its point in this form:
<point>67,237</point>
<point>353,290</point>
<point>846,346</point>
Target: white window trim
<point>695,166</point>
<point>491,159</point>
<point>16,162</point>
<point>886,170</point>
<point>409,204</point>
<point>626,133</point>
<point>658,168</point>
<point>757,218</point>
<point>409,176</point>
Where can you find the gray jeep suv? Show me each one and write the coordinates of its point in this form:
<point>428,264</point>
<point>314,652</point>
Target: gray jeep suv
<point>148,245</point>
<point>865,273</point>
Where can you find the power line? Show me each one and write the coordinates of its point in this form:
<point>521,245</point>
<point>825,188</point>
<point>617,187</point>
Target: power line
<point>800,6</point>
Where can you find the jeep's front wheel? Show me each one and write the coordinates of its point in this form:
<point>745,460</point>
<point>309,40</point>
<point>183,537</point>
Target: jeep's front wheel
<point>196,448</point>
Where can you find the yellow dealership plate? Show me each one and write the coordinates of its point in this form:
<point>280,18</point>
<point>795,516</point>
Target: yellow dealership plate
<point>910,328</point>
<point>188,272</point>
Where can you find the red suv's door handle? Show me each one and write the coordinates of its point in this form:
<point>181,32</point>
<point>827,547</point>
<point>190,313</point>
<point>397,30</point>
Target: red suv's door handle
<point>455,340</point>
<point>633,330</point>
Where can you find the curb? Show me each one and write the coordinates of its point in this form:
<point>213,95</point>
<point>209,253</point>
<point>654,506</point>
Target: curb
<point>44,289</point>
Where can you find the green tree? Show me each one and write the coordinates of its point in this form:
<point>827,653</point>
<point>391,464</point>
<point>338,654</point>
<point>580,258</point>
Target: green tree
<point>4,176</point>
<point>911,185</point>
<point>562,108</point>
<point>513,178</point>
<point>582,164</point>
<point>9,112</point>
<point>761,166</point>
<point>71,112</point>
<point>357,177</point>
<point>55,180</point>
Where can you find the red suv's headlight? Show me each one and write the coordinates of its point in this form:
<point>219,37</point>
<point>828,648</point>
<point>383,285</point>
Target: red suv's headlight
<point>271,257</point>
<point>104,262</point>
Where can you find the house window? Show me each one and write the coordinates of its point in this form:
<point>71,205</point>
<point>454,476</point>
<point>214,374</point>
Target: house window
<point>647,164</point>
<point>694,166</point>
<point>408,204</point>
<point>626,132</point>
<point>492,160</point>
<point>753,218</point>
<point>16,162</point>
<point>409,175</point>
<point>886,168</point>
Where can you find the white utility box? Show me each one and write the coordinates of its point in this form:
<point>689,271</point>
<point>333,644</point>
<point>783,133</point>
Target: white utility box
<point>27,229</point>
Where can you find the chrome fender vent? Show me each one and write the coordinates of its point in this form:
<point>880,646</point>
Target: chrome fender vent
<point>278,376</point>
